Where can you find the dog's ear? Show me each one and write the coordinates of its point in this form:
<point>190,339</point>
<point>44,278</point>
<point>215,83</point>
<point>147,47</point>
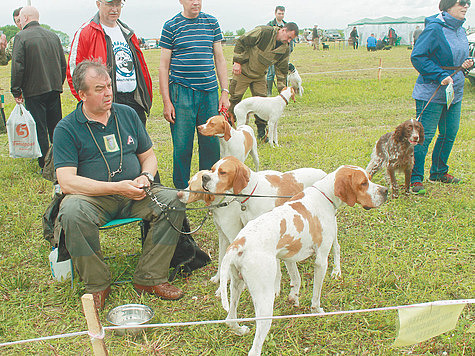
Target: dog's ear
<point>208,198</point>
<point>227,130</point>
<point>292,94</point>
<point>232,118</point>
<point>241,178</point>
<point>421,132</point>
<point>344,188</point>
<point>398,134</point>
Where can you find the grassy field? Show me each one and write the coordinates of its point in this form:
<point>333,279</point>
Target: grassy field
<point>412,250</point>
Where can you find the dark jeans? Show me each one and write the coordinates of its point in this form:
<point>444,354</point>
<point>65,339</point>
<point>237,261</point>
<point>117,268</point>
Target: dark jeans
<point>192,108</point>
<point>128,99</point>
<point>46,111</point>
<point>435,118</point>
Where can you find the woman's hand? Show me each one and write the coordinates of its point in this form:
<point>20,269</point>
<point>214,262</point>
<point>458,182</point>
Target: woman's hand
<point>467,64</point>
<point>447,81</point>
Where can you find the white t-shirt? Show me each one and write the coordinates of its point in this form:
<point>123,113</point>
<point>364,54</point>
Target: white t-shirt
<point>126,78</point>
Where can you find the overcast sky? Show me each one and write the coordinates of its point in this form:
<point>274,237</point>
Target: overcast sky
<point>147,17</point>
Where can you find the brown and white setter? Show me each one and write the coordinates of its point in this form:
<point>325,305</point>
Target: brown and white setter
<point>395,152</point>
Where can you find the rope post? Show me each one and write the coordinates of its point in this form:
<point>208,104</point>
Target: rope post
<point>380,68</point>
<point>94,325</point>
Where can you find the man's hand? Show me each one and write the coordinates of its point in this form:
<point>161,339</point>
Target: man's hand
<point>169,112</point>
<point>132,189</point>
<point>3,42</point>
<point>237,68</point>
<point>224,100</point>
<point>19,100</point>
<point>142,180</point>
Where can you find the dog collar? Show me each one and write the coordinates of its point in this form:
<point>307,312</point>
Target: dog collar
<point>245,200</point>
<point>331,201</point>
<point>283,97</point>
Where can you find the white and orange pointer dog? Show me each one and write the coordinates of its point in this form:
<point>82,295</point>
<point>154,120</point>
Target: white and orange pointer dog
<point>304,226</point>
<point>233,176</point>
<point>238,143</point>
<point>268,109</point>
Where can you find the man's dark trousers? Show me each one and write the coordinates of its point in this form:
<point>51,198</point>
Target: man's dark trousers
<point>46,111</point>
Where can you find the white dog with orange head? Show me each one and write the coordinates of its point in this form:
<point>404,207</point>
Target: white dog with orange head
<point>268,109</point>
<point>304,226</point>
<point>238,142</point>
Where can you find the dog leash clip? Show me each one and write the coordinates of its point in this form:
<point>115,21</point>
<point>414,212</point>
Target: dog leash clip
<point>223,111</point>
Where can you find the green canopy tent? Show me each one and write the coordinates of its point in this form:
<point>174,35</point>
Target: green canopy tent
<point>404,27</point>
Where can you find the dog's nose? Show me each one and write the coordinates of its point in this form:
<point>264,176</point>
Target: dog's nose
<point>384,191</point>
<point>205,178</point>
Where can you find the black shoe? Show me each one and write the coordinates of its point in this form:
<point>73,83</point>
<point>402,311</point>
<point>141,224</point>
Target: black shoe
<point>446,178</point>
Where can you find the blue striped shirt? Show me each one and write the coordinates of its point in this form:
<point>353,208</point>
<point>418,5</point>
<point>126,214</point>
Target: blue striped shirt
<point>191,42</point>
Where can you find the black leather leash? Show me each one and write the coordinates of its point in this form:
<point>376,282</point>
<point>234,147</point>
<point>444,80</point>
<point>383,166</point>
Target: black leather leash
<point>166,209</point>
<point>229,194</point>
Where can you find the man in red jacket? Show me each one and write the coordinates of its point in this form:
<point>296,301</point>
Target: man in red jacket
<point>107,38</point>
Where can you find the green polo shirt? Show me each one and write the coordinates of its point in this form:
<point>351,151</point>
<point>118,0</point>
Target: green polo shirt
<point>75,147</point>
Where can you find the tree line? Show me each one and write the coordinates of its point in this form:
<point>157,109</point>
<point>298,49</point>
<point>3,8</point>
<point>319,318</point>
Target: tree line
<point>12,30</point>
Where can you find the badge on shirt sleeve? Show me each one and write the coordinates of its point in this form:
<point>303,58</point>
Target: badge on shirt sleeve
<point>111,143</point>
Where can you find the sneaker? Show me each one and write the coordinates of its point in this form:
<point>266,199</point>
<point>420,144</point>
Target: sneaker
<point>446,178</point>
<point>418,188</point>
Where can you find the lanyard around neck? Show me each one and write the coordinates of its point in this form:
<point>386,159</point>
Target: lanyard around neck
<point>119,170</point>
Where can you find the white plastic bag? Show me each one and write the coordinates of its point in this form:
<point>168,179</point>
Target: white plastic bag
<point>60,271</point>
<point>22,138</point>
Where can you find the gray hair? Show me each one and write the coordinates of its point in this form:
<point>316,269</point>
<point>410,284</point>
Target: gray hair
<point>79,75</point>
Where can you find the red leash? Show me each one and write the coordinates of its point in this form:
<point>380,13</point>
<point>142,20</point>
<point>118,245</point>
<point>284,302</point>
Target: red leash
<point>229,118</point>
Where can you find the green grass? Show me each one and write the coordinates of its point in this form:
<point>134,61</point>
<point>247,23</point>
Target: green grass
<point>411,250</point>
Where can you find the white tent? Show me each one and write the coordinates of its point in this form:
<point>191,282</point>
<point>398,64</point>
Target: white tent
<point>404,27</point>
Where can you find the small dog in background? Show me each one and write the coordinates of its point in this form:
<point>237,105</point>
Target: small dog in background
<point>269,109</point>
<point>395,152</point>
<point>294,80</point>
<point>325,46</point>
<point>232,142</point>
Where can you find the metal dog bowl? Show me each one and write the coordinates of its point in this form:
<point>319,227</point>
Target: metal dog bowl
<point>129,314</point>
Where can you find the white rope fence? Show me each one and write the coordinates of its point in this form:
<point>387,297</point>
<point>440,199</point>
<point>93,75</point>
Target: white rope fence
<point>209,322</point>
<point>314,73</point>
<point>355,70</point>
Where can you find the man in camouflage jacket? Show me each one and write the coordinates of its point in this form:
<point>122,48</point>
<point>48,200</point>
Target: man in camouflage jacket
<point>254,52</point>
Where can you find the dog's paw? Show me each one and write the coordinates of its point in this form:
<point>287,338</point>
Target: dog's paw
<point>294,300</point>
<point>317,310</point>
<point>336,273</point>
<point>215,278</point>
<point>241,330</point>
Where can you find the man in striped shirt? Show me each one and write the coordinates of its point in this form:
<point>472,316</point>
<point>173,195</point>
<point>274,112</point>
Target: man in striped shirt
<point>190,52</point>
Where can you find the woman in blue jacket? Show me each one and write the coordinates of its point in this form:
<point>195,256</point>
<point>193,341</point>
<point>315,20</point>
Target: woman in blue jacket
<point>440,49</point>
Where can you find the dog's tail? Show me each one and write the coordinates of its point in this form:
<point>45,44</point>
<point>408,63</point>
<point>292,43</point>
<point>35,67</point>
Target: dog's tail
<point>224,276</point>
<point>253,152</point>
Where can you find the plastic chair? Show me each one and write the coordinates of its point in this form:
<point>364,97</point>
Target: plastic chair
<point>144,225</point>
<point>120,222</point>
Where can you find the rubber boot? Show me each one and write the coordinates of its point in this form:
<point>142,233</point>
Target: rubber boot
<point>270,84</point>
<point>261,133</point>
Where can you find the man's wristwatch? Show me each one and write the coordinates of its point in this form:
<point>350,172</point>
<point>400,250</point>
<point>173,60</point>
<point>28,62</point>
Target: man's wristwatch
<point>148,175</point>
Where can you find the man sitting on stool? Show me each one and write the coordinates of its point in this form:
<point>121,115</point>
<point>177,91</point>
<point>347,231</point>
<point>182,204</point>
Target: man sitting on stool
<point>103,158</point>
